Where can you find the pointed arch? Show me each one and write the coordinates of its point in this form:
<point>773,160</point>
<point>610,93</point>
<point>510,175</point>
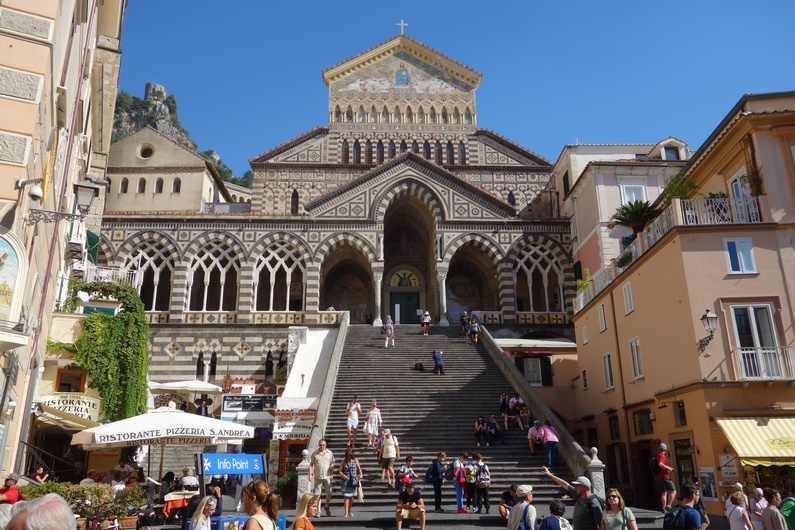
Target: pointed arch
<point>125,184</point>
<point>294,202</point>
<point>456,116</point>
<point>154,260</point>
<point>159,185</point>
<point>409,115</point>
<point>415,148</point>
<point>392,149</point>
<point>141,185</point>
<point>397,118</point>
<point>445,116</point>
<point>462,154</point>
<point>344,153</point>
<point>349,115</point>
<point>337,114</point>
<point>468,116</point>
<point>511,199</point>
<point>176,186</point>
<point>433,115</point>
<point>489,246</point>
<point>426,150</point>
<point>450,154</point>
<point>328,245</point>
<point>403,146</point>
<point>411,187</point>
<point>420,115</point>
<point>373,114</point>
<point>437,152</point>
<point>213,276</point>
<point>379,152</point>
<point>279,278</point>
<point>362,117</point>
<point>384,115</point>
<point>368,152</point>
<point>543,276</point>
<point>357,152</point>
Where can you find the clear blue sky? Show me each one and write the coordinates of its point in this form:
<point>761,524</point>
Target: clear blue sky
<point>247,74</point>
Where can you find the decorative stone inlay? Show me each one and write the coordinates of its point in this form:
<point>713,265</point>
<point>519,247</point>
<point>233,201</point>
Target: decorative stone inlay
<point>22,85</point>
<point>173,349</point>
<point>24,23</point>
<point>242,348</point>
<point>13,147</point>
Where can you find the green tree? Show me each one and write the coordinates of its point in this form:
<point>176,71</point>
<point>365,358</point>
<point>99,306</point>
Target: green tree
<point>635,215</point>
<point>678,186</point>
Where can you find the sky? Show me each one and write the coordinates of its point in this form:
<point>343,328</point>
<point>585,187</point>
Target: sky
<point>247,73</point>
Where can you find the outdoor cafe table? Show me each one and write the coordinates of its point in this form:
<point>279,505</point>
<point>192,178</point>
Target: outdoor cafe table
<point>177,500</point>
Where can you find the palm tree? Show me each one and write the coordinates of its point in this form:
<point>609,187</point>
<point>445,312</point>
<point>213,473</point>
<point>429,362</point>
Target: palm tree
<point>635,215</point>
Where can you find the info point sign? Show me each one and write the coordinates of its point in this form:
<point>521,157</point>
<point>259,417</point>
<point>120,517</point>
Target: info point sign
<point>231,464</point>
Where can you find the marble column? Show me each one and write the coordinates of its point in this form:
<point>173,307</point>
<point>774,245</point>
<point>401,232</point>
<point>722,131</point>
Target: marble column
<point>377,322</point>
<point>443,300</point>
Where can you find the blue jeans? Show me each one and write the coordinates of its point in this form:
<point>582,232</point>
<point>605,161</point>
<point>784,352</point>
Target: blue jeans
<point>552,453</point>
<point>459,494</point>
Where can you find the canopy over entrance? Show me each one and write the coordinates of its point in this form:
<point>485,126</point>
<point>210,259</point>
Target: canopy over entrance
<point>761,441</point>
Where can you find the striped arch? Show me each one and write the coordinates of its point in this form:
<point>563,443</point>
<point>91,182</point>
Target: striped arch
<point>138,240</point>
<point>201,241</point>
<point>561,256</point>
<point>414,188</point>
<point>489,246</point>
<point>339,239</point>
<point>276,237</point>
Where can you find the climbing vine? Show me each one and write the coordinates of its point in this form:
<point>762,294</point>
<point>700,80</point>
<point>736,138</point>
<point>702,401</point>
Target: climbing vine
<point>112,349</point>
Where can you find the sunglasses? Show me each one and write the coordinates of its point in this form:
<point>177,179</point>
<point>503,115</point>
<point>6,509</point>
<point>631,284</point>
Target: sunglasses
<point>612,496</point>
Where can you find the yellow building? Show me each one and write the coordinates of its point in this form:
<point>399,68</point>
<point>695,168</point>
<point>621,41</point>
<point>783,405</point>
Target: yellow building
<point>691,343</point>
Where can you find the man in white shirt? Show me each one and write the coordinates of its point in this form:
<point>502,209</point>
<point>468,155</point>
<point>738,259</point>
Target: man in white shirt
<point>534,436</point>
<point>353,410</point>
<point>523,510</point>
<point>124,467</point>
<point>321,470</point>
<point>188,481</point>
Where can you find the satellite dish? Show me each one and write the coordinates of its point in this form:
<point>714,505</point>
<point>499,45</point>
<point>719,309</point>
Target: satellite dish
<point>83,296</point>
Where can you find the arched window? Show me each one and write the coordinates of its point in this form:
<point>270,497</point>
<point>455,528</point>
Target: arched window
<point>213,363</point>
<point>403,147</point>
<point>294,203</point>
<point>337,114</point>
<point>159,185</point>
<point>511,199</point>
<point>110,184</point>
<point>467,117</point>
<point>141,185</point>
<point>176,187</point>
<point>123,186</point>
<point>349,114</point>
<point>357,152</point>
<point>344,152</point>
<point>379,148</point>
<point>426,150</point>
<point>397,115</point>
<point>362,117</point>
<point>539,281</point>
<point>155,271</point>
<point>420,116</point>
<point>279,279</point>
<point>456,116</point>
<point>433,115</point>
<point>462,154</point>
<point>368,152</point>
<point>445,117</point>
<point>437,150</point>
<point>213,278</point>
<point>241,199</point>
<point>373,115</point>
<point>391,149</point>
<point>409,115</point>
<point>384,116</point>
<point>200,366</point>
<point>414,147</point>
<point>450,154</point>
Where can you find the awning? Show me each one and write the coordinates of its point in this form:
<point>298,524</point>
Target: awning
<point>63,419</point>
<point>92,247</point>
<point>761,441</point>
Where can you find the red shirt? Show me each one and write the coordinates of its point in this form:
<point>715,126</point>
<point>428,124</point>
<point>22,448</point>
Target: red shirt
<point>12,495</point>
<point>662,463</point>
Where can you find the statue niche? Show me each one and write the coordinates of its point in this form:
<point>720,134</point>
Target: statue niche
<point>404,244</point>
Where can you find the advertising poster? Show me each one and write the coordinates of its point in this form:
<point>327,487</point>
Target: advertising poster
<point>706,477</point>
<point>728,466</point>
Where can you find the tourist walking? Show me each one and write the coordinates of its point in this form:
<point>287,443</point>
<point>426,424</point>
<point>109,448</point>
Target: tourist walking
<point>389,331</point>
<point>474,329</point>
<point>425,321</point>
<point>390,450</point>
<point>616,515</point>
<point>736,514</point>
<point>307,508</point>
<point>772,518</point>
<point>261,505</point>
<point>588,508</point>
<point>464,320</point>
<point>350,472</point>
<point>756,505</point>
<point>353,409</point>
<point>321,470</point>
<point>550,439</point>
<point>372,423</point>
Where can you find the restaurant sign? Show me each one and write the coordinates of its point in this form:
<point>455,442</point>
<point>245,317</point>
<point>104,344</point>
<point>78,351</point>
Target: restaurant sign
<point>79,405</point>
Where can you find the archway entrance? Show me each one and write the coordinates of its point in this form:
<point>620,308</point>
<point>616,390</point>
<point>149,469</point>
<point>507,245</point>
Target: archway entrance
<point>409,261</point>
<point>347,283</point>
<point>471,283</point>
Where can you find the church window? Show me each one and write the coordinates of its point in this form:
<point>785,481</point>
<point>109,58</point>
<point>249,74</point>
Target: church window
<point>279,279</point>
<point>391,149</point>
<point>468,117</point>
<point>384,116</point>
<point>403,146</point>
<point>409,116</point>
<point>538,280</point>
<point>344,152</point>
<point>414,147</point>
<point>177,186</point>
<point>155,267</point>
<point>123,186</point>
<point>426,150</point>
<point>437,149</point>
<point>511,199</point>
<point>349,115</point>
<point>213,363</point>
<point>456,117</point>
<point>337,114</point>
<point>373,115</point>
<point>357,152</point>
<point>213,278</point>
<point>368,152</point>
<point>450,154</point>
<point>362,118</point>
<point>397,115</point>
<point>159,185</point>
<point>200,366</point>
<point>433,115</point>
<point>462,154</point>
<point>445,117</point>
<point>294,203</point>
<point>380,152</point>
<point>420,116</point>
<point>141,185</point>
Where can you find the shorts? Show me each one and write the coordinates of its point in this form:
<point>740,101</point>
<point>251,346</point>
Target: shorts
<point>386,463</point>
<point>320,484</point>
<point>353,423</point>
<point>664,484</point>
<point>413,513</point>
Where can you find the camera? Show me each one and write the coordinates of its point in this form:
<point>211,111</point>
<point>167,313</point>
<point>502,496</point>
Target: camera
<point>35,192</point>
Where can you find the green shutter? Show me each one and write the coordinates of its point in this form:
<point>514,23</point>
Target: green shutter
<point>92,246</point>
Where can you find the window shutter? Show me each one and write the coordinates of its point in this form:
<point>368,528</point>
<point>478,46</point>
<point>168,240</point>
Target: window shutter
<point>546,371</point>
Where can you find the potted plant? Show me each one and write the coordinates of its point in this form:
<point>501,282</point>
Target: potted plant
<point>287,488</point>
<point>280,375</point>
<point>94,501</point>
<point>126,503</point>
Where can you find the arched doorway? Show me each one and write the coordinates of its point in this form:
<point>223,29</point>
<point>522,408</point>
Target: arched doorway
<point>409,261</point>
<point>347,284</point>
<point>471,282</point>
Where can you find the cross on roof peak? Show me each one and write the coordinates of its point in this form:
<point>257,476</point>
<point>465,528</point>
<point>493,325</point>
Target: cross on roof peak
<point>402,25</point>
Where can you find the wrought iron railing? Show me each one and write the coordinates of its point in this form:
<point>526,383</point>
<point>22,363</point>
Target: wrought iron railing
<point>111,275</point>
<point>764,363</point>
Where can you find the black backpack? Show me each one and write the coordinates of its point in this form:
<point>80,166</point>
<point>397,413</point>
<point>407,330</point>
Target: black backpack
<point>654,467</point>
<point>675,519</point>
<point>449,473</point>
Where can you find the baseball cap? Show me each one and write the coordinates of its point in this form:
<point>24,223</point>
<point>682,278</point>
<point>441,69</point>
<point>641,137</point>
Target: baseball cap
<point>12,476</point>
<point>663,447</point>
<point>523,490</point>
<point>582,481</point>
<point>387,431</point>
<point>537,421</point>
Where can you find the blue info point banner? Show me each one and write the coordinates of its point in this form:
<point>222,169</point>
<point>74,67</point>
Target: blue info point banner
<point>229,464</point>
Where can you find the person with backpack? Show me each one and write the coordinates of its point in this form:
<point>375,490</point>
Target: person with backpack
<point>460,481</point>
<point>555,520</point>
<point>617,516</point>
<point>389,331</point>
<point>523,515</point>
<point>663,479</point>
<point>471,478</point>
<point>684,516</point>
<point>435,475</point>
<point>588,508</point>
<point>482,484</point>
<point>405,474</point>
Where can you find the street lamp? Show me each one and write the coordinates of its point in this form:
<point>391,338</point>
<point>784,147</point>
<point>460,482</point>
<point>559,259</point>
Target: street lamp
<point>85,192</point>
<point>710,321</point>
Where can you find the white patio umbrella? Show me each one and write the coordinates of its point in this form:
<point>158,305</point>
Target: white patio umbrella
<point>199,387</point>
<point>162,426</point>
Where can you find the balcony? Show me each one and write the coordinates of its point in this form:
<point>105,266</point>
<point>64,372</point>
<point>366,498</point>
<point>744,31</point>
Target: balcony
<point>93,273</point>
<point>764,364</point>
<point>682,212</point>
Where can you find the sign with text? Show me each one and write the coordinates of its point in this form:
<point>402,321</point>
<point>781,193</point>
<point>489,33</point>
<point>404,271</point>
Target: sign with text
<point>291,430</point>
<point>243,403</point>
<point>75,404</point>
<point>231,464</point>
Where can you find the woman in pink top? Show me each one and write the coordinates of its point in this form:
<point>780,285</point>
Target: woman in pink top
<point>549,435</point>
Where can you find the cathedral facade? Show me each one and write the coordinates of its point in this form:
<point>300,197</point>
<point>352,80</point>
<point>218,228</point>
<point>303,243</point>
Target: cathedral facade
<point>399,204</point>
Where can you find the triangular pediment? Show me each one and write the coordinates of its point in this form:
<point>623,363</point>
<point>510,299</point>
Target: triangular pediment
<point>165,152</point>
<point>308,147</point>
<point>456,199</point>
<point>401,63</point>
